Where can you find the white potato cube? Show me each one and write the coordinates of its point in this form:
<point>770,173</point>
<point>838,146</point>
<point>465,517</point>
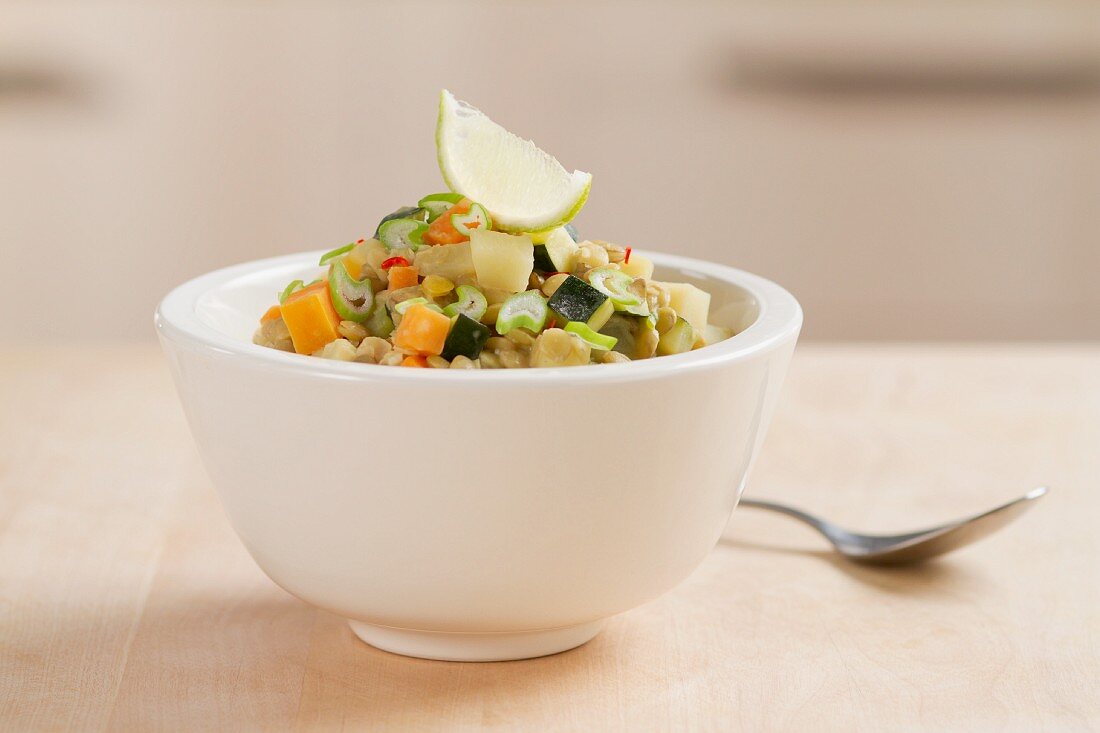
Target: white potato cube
<point>690,302</point>
<point>452,261</point>
<point>713,334</point>
<point>502,261</point>
<point>638,266</point>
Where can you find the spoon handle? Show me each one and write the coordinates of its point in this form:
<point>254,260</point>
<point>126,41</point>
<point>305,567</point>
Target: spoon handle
<point>789,511</point>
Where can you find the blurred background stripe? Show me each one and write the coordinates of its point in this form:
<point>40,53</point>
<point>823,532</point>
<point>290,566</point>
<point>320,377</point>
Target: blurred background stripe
<point>911,171</point>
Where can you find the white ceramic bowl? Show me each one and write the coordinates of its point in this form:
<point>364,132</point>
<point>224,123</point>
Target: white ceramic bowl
<point>475,515</point>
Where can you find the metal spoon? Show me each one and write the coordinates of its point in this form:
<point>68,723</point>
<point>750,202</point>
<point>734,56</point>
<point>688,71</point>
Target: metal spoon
<point>911,547</point>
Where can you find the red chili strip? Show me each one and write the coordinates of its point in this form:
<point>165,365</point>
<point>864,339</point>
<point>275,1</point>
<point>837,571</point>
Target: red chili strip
<point>393,262</point>
<point>360,241</point>
<point>626,260</point>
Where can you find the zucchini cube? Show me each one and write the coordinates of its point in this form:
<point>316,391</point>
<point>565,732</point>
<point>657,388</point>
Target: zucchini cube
<point>576,300</point>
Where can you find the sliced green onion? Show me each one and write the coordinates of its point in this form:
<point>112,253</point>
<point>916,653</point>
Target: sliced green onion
<point>405,212</point>
<point>402,234</point>
<point>403,307</point>
<point>289,290</point>
<point>615,284</point>
<point>464,223</point>
<point>438,203</point>
<point>352,299</point>
<point>471,302</point>
<point>593,339</point>
<point>523,310</point>
<point>335,253</point>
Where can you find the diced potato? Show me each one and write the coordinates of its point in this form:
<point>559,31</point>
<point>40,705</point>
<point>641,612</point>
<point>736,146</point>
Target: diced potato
<point>501,260</point>
<point>713,334</point>
<point>690,302</point>
<point>639,266</point>
<point>452,261</point>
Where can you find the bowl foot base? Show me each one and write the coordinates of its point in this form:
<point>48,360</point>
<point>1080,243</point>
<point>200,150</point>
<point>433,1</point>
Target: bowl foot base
<point>472,646</point>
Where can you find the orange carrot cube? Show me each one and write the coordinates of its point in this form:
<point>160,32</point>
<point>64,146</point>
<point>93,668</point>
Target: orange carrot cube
<point>403,277</point>
<point>310,318</point>
<point>422,330</point>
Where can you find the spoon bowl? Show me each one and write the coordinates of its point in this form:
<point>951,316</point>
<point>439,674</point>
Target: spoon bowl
<point>910,547</point>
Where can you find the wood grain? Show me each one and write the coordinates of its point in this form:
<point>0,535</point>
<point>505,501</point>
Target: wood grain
<point>126,602</point>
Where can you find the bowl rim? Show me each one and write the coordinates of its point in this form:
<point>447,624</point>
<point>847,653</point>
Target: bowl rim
<point>779,320</point>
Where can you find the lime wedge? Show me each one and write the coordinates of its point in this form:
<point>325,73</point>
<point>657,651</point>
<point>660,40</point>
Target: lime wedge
<point>523,188</point>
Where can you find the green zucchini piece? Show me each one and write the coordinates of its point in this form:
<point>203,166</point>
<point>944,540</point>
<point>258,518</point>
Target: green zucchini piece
<point>624,329</point>
<point>600,318</point>
<point>437,203</point>
<point>595,340</point>
<point>572,231</point>
<point>471,302</point>
<point>676,340</point>
<point>467,338</point>
<point>557,254</point>
<point>543,263</point>
<point>352,299</point>
<point>405,212</point>
<point>616,285</point>
<point>402,234</point>
<point>523,310</point>
<point>576,300</point>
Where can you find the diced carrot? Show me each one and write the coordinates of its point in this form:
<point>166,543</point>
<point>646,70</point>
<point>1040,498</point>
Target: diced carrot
<point>403,277</point>
<point>442,231</point>
<point>310,318</point>
<point>415,361</point>
<point>422,330</point>
<point>272,313</point>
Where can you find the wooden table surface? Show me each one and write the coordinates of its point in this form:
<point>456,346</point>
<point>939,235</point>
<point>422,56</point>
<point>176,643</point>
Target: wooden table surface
<point>126,602</point>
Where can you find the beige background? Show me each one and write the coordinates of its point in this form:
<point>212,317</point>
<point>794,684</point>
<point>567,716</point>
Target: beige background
<point>912,172</point>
